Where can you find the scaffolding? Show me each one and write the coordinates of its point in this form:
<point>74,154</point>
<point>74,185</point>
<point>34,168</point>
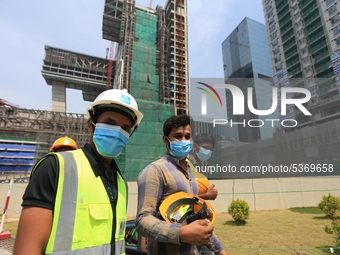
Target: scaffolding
<point>76,71</point>
<point>112,20</point>
<point>171,42</point>
<point>143,69</point>
<point>162,67</point>
<point>43,127</point>
<point>176,22</point>
<point>126,40</point>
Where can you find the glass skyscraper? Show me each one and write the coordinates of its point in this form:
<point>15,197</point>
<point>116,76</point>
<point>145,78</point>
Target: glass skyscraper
<point>247,64</point>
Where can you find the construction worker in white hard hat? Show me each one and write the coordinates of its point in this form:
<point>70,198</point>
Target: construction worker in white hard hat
<point>64,144</point>
<point>75,202</point>
<point>160,180</point>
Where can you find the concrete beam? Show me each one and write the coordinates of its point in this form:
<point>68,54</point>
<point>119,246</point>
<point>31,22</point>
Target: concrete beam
<point>58,96</point>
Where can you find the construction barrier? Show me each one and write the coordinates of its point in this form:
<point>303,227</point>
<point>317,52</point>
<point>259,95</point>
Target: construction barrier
<point>5,234</point>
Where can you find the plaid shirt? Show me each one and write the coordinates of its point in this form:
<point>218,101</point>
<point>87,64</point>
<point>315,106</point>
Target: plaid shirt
<point>156,182</point>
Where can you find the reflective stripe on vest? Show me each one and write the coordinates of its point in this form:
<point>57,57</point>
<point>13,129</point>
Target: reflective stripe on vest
<point>82,219</point>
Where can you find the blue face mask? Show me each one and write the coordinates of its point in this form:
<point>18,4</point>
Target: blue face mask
<point>109,140</point>
<point>204,154</point>
<point>180,149</point>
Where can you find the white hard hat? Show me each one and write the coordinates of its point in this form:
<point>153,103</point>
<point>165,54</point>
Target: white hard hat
<point>116,99</point>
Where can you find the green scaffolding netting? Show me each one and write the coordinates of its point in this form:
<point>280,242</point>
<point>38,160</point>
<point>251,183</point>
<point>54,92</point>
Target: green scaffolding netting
<point>145,145</point>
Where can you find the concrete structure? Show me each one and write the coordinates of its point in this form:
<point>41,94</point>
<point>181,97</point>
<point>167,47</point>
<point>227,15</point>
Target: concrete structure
<point>67,69</point>
<point>152,42</point>
<point>176,16</point>
<point>304,41</point>
<point>246,61</point>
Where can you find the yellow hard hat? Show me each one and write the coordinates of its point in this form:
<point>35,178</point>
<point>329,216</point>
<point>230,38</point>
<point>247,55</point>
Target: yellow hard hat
<point>202,182</point>
<point>64,142</point>
<point>182,206</point>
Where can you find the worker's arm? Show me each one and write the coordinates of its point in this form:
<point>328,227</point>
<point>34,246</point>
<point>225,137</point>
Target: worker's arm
<point>143,244</point>
<point>33,231</point>
<point>150,192</point>
<point>37,214</point>
<point>211,193</point>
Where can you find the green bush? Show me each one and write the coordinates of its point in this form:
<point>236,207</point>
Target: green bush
<point>334,228</point>
<point>239,210</point>
<point>330,205</point>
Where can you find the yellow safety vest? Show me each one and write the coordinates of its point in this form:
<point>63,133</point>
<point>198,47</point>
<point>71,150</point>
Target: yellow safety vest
<point>82,219</point>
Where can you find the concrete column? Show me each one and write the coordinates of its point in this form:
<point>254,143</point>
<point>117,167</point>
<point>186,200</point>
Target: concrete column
<point>58,96</point>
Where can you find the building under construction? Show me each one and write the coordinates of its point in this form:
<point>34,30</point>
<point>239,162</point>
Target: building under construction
<point>152,54</point>
<point>150,57</point>
<point>150,60</point>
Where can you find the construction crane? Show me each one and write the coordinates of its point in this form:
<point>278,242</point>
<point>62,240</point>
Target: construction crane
<point>109,66</point>
<point>6,103</point>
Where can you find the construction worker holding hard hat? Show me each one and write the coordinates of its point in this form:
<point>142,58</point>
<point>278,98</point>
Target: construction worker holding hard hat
<point>169,212</point>
<point>76,200</point>
<point>202,149</point>
<point>203,145</point>
<point>64,144</point>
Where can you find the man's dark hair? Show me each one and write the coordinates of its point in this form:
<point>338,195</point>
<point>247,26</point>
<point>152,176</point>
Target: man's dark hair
<point>204,138</point>
<point>176,121</point>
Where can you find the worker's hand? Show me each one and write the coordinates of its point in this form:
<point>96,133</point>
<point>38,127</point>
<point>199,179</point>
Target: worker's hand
<point>197,232</point>
<point>211,193</point>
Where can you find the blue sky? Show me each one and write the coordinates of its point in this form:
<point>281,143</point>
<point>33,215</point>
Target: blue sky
<point>26,26</point>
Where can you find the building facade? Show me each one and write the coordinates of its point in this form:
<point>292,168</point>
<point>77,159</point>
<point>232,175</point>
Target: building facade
<point>247,64</point>
<point>304,37</point>
<point>153,43</point>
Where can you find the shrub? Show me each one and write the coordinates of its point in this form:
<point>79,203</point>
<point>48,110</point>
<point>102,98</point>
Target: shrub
<point>239,210</point>
<point>334,229</point>
<point>330,205</point>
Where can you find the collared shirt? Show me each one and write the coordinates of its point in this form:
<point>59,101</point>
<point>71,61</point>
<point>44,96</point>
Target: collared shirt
<point>156,182</point>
